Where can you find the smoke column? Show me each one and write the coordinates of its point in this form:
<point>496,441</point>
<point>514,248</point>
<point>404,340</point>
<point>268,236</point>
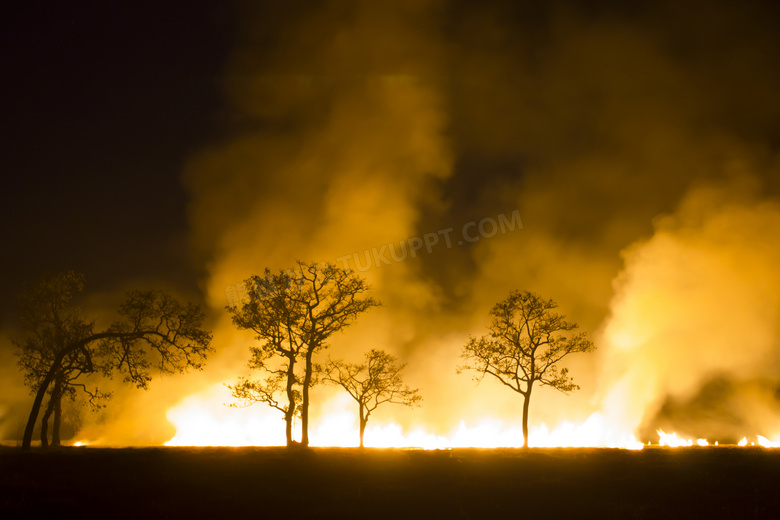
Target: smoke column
<point>699,300</point>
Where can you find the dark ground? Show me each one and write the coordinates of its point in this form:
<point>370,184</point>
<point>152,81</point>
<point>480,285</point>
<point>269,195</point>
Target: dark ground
<point>721,482</point>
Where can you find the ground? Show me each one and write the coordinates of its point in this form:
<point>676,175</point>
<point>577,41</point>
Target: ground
<point>722,482</point>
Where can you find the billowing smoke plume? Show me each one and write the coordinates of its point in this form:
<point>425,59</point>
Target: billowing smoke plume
<point>696,319</point>
<point>344,145</point>
<point>366,123</point>
<point>345,142</point>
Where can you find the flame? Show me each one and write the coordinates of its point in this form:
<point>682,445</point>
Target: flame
<point>204,420</point>
<point>672,440</point>
<point>766,443</point>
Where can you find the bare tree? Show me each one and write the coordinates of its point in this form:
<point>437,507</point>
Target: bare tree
<point>526,342</point>
<point>65,384</point>
<point>269,391</point>
<point>294,313</point>
<point>37,352</point>
<point>273,313</point>
<point>374,382</point>
<point>154,331</point>
<point>333,298</point>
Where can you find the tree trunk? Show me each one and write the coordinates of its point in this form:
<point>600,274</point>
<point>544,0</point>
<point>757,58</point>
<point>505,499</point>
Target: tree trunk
<point>288,420</point>
<point>55,430</point>
<point>45,422</point>
<point>55,366</point>
<point>363,422</point>
<point>526,403</point>
<point>291,404</point>
<point>55,407</point>
<point>305,403</point>
<point>36,407</point>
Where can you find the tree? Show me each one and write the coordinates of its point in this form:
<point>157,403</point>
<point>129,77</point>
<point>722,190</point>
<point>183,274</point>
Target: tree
<point>333,298</point>
<point>376,381</point>
<point>154,331</point>
<point>65,384</point>
<point>526,342</point>
<point>251,391</point>
<point>294,313</point>
<point>273,313</point>
<point>50,321</point>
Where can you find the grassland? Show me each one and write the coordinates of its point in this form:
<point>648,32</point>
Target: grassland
<point>722,482</point>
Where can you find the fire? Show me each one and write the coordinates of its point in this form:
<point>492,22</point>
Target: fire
<point>204,420</point>
<point>766,443</point>
<point>672,440</point>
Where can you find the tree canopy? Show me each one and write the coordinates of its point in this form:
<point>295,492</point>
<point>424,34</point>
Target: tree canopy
<point>153,333</point>
<point>293,313</point>
<point>374,382</point>
<point>526,342</point>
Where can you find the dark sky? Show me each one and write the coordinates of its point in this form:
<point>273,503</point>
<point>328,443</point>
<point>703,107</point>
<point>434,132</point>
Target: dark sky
<point>102,103</point>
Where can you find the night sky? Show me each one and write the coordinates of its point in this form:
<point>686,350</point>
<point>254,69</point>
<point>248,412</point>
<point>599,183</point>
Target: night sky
<point>103,102</point>
<point>188,145</point>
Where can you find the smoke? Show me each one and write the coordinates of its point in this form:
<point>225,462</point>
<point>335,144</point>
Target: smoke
<point>351,124</point>
<point>343,147</point>
<point>347,141</point>
<point>693,328</point>
<point>14,397</point>
<point>357,124</point>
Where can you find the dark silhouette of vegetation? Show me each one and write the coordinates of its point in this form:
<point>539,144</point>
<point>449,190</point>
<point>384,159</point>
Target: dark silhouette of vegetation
<point>273,313</point>
<point>154,332</point>
<point>269,390</point>
<point>526,342</point>
<point>49,322</point>
<point>293,314</point>
<point>375,381</point>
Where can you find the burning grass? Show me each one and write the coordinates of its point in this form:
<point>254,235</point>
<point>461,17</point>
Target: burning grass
<point>713,482</point>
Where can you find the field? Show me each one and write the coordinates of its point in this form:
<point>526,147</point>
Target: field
<point>722,482</point>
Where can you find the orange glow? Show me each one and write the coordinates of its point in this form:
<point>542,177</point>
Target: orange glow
<point>672,440</point>
<point>204,420</point>
<point>766,443</point>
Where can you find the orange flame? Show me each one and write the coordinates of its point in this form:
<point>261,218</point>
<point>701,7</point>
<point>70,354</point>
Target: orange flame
<point>204,420</point>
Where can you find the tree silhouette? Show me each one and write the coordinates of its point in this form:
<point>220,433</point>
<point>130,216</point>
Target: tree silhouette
<point>65,384</point>
<point>374,382</point>
<point>273,313</point>
<point>294,313</point>
<point>268,391</point>
<point>51,322</point>
<point>154,332</point>
<point>526,342</point>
